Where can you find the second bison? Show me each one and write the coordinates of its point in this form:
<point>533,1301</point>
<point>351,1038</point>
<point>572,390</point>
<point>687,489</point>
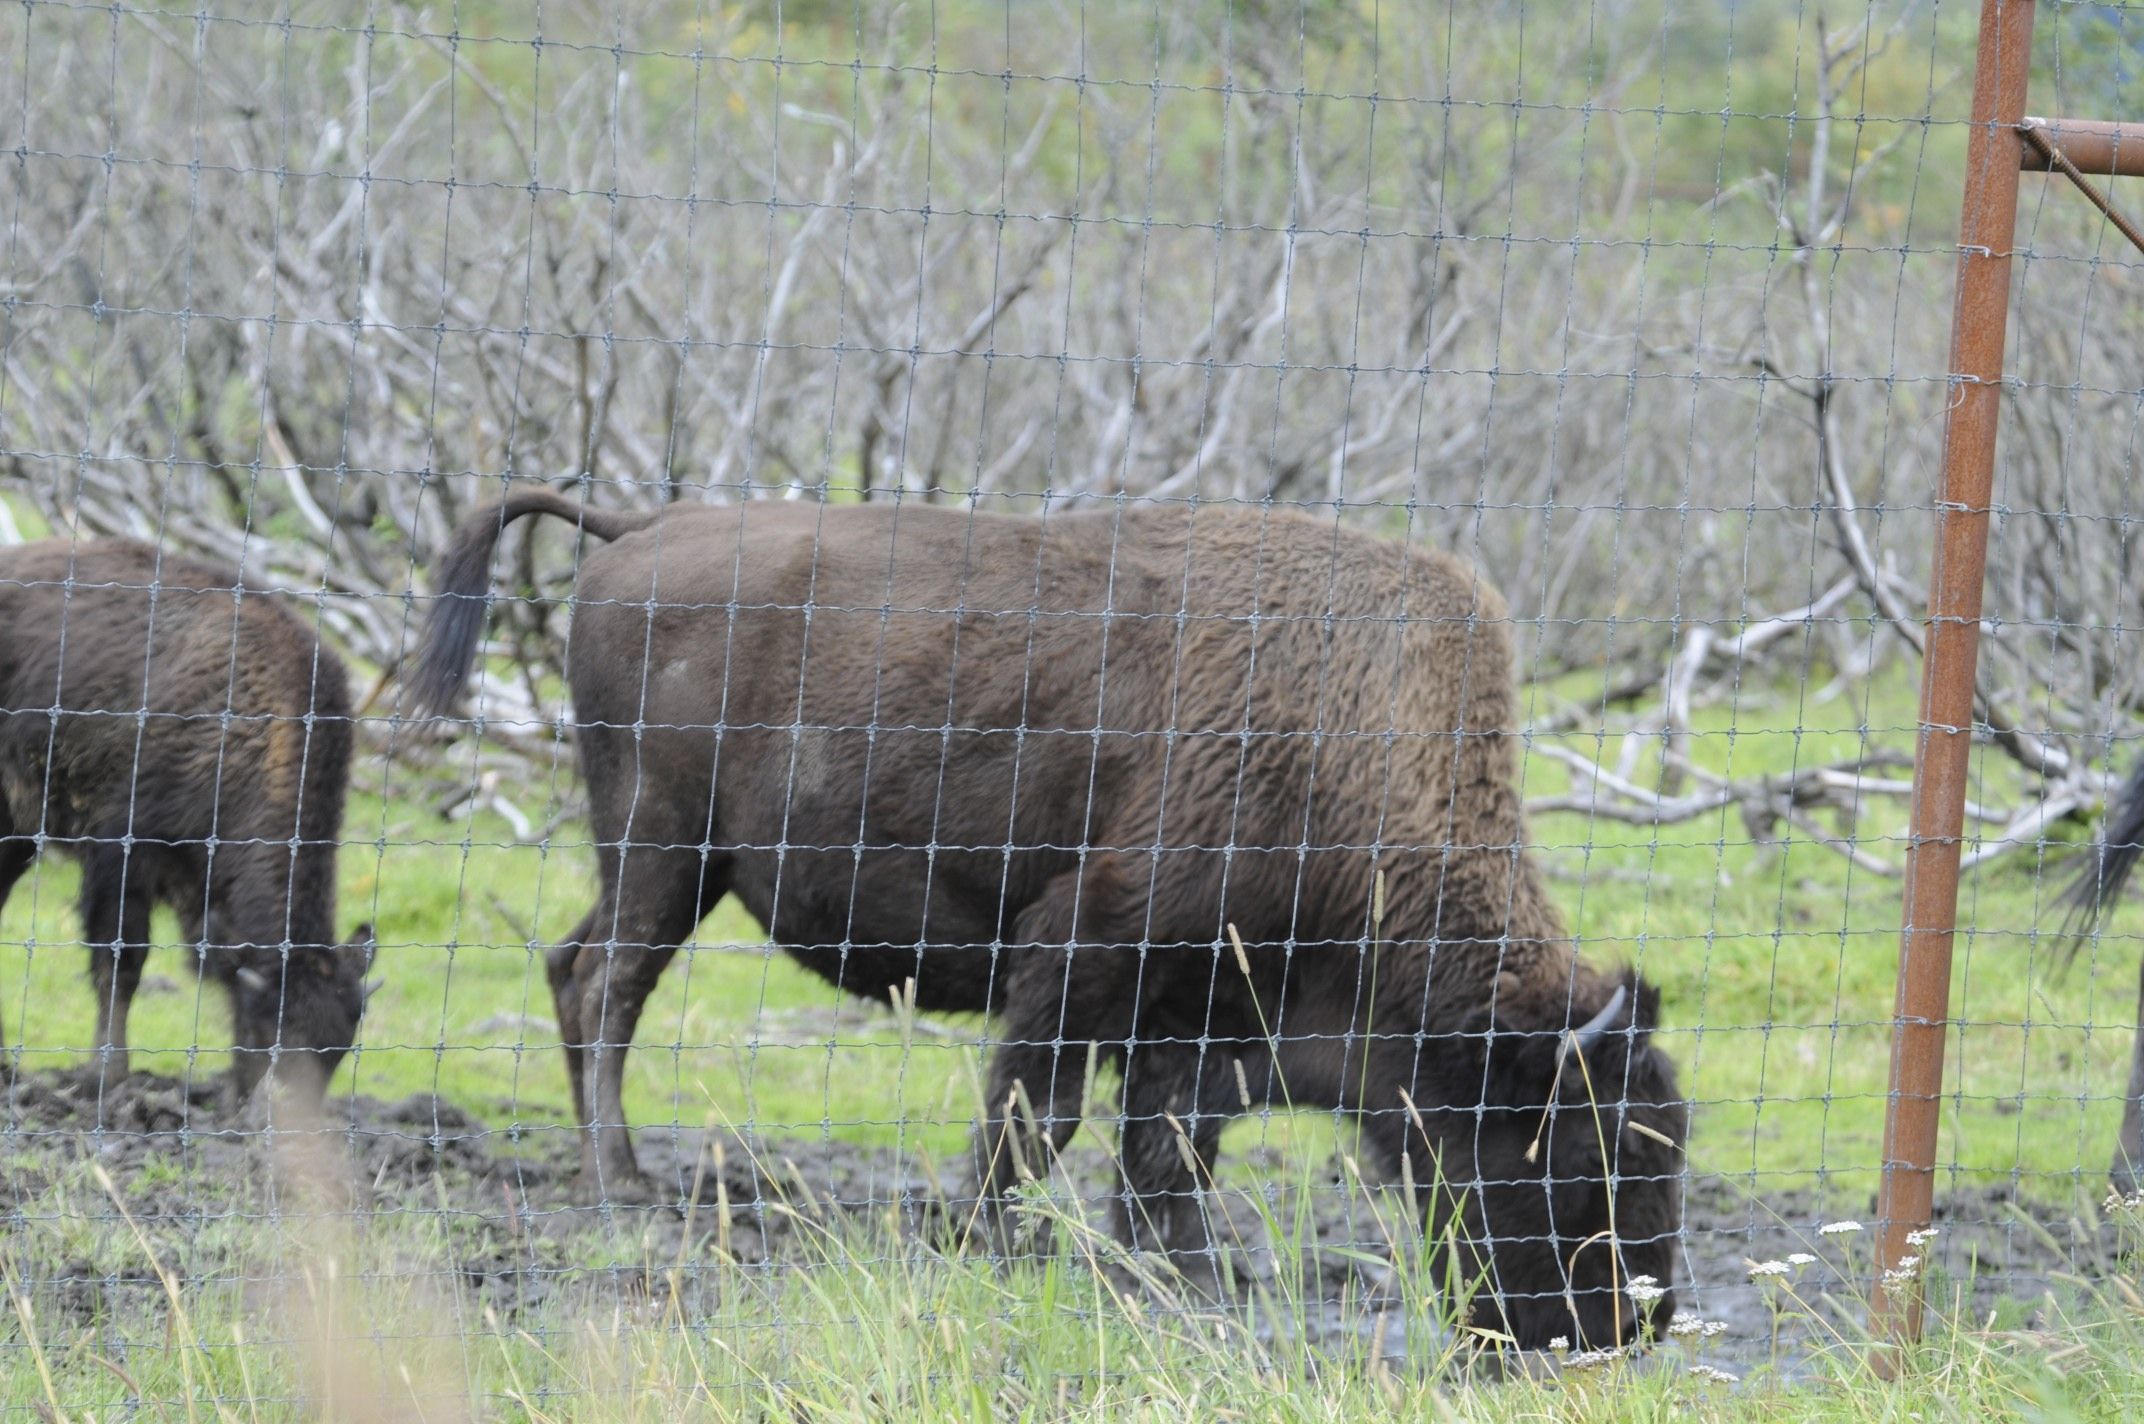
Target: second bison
<point>187,741</point>
<point>1043,768</point>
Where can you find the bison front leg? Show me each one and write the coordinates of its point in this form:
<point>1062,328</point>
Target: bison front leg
<point>1065,1001</point>
<point>1174,1109</point>
<point>16,853</point>
<point>115,922</point>
<point>1035,1090</point>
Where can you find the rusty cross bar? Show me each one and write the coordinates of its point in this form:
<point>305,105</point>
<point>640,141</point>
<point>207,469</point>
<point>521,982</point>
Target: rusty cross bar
<point>2001,143</point>
<point>2099,148</point>
<point>2115,150</point>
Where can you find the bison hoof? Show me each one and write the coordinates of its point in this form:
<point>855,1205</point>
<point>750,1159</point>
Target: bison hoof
<point>272,1104</point>
<point>994,1228</point>
<point>626,1187</point>
<point>1204,1273</point>
<point>102,1074</point>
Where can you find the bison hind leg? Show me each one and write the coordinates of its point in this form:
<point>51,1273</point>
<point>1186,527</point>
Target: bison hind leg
<point>653,898</point>
<point>2127,1174</point>
<point>560,963</point>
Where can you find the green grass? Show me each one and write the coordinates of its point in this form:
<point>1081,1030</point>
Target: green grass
<point>1777,964</point>
<point>304,1318</point>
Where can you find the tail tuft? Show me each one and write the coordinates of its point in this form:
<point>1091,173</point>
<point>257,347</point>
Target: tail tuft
<point>463,596</point>
<point>2099,884</point>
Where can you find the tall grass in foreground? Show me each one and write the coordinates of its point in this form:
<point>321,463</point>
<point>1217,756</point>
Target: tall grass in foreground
<point>340,1317</point>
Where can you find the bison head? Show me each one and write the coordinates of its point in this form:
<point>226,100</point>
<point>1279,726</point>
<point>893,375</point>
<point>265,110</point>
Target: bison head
<point>1558,1132</point>
<point>302,1018</point>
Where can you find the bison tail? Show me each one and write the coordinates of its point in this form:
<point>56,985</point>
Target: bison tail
<point>2121,845</point>
<point>464,586</point>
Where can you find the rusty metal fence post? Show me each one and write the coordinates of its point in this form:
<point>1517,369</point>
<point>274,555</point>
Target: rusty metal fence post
<point>1980,316</point>
<point>2002,142</point>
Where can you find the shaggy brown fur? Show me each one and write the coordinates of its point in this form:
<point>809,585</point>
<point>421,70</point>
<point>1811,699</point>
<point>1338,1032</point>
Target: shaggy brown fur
<point>1040,767</point>
<point>191,746</point>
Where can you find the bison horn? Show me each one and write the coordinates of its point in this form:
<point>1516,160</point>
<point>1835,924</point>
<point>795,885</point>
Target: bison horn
<point>1590,1032</point>
<point>372,986</point>
<point>253,979</point>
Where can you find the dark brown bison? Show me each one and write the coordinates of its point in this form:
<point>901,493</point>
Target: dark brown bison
<point>188,743</point>
<point>2088,896</point>
<point>1039,767</point>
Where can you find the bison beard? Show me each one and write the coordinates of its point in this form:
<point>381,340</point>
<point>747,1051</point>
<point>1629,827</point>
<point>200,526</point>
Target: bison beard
<point>191,748</point>
<point>1041,768</point>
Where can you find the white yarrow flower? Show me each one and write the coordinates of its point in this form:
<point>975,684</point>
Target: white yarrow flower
<point>1758,1270</point>
<point>1643,1290</point>
<point>1685,1323</point>
<point>1838,1228</point>
<point>1712,1376</point>
<point>1560,1344</point>
<point>1922,1237</point>
<point>1801,1258</point>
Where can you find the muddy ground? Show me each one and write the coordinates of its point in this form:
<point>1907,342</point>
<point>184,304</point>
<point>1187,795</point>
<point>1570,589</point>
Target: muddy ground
<point>508,1234</point>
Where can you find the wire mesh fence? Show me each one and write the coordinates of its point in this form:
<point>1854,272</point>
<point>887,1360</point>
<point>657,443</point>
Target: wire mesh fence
<point>1261,655</point>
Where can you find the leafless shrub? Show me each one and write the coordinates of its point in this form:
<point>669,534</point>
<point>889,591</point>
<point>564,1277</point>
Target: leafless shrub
<point>297,295</point>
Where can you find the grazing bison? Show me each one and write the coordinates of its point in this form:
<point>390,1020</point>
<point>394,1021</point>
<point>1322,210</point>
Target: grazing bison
<point>2096,887</point>
<point>1039,767</point>
<point>187,745</point>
